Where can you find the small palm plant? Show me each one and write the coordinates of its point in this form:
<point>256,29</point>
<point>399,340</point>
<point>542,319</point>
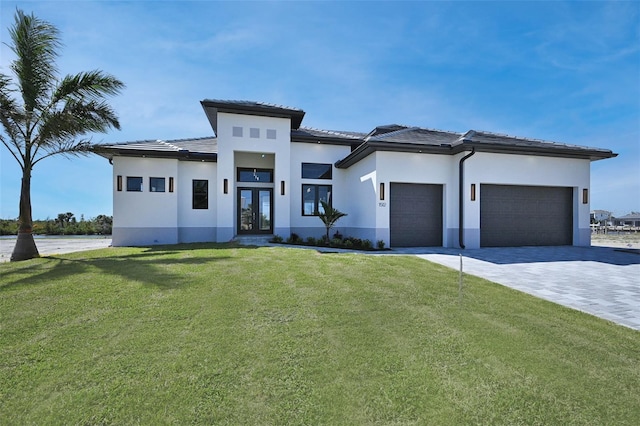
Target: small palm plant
<point>329,216</point>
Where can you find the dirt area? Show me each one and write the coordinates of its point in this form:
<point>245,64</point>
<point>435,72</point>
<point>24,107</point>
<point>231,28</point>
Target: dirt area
<point>628,240</point>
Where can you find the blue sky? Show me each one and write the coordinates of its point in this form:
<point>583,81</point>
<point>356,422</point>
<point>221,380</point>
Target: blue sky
<point>559,71</point>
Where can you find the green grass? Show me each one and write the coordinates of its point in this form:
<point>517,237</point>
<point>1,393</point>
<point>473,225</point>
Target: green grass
<point>211,334</point>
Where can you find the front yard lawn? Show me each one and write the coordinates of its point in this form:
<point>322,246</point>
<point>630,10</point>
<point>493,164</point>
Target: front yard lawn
<point>218,334</point>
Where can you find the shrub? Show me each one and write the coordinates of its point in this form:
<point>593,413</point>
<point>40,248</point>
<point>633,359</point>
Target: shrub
<point>311,241</point>
<point>380,244</point>
<point>367,244</point>
<point>347,243</point>
<point>294,238</point>
<point>355,242</point>
<point>276,239</point>
<point>336,242</point>
<point>337,235</point>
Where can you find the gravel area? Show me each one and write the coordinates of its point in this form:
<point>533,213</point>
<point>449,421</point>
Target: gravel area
<point>54,245</point>
<point>629,240</point>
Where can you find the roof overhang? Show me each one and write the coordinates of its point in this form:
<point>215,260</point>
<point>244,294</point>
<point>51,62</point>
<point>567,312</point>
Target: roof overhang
<point>370,147</point>
<point>109,152</point>
<point>212,107</point>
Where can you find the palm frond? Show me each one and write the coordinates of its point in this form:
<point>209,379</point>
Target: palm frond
<point>330,215</point>
<point>91,85</point>
<point>35,43</point>
<point>68,148</point>
<point>11,114</point>
<point>75,119</point>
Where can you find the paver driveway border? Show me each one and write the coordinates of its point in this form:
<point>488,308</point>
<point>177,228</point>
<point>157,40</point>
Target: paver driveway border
<point>601,281</point>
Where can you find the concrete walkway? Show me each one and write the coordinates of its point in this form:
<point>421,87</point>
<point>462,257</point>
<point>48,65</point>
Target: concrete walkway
<point>601,281</point>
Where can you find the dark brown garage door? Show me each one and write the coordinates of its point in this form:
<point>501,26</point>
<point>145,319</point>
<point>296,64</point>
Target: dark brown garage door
<point>415,215</point>
<point>512,216</point>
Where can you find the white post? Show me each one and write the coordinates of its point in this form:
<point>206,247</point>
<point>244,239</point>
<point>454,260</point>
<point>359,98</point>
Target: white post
<point>460,279</point>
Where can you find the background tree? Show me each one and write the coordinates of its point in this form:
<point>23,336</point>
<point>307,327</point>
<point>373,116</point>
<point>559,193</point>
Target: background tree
<point>329,216</point>
<point>42,116</point>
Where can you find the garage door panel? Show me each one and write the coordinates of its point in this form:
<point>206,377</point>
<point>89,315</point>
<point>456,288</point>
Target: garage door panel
<point>415,215</point>
<point>525,215</point>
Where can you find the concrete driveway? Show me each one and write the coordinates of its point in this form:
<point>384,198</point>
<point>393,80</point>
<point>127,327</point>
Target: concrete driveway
<point>601,281</point>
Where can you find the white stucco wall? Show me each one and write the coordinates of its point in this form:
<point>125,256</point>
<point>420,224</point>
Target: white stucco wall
<point>245,151</point>
<point>144,217</point>
<point>196,225</point>
<point>307,226</point>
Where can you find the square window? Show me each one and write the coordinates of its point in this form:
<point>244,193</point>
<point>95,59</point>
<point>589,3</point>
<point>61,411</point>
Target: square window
<point>156,184</point>
<point>312,195</point>
<point>316,171</point>
<point>237,131</point>
<point>134,184</point>
<point>254,133</point>
<point>271,133</point>
<point>200,194</point>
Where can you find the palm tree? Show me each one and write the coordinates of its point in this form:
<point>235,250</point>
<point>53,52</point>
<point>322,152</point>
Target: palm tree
<point>42,116</point>
<point>329,216</point>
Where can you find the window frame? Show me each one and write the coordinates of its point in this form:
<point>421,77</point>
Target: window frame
<point>316,197</point>
<point>130,180</point>
<point>197,204</point>
<point>315,176</point>
<point>151,187</point>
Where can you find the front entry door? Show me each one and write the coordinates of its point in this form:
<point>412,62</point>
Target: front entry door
<point>254,211</point>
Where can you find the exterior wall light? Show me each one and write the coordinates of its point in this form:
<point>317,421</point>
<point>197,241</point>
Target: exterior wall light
<point>119,183</point>
<point>281,187</point>
<point>585,196</point>
<point>473,192</point>
<point>170,184</point>
<point>225,186</point>
<point>381,190</point>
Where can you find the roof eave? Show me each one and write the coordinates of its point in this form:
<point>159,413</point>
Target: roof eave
<point>328,140</point>
<point>109,153</point>
<point>562,152</point>
<point>369,147</point>
<point>295,116</point>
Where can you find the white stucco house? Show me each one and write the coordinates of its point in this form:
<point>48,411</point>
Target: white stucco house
<point>263,173</point>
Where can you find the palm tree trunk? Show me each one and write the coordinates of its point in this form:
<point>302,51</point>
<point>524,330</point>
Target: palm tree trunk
<point>25,245</point>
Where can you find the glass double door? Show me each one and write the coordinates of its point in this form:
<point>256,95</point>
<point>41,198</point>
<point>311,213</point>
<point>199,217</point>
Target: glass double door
<point>255,210</point>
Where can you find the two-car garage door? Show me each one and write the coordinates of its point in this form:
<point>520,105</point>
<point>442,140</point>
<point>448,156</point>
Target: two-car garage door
<point>517,215</point>
<point>510,215</point>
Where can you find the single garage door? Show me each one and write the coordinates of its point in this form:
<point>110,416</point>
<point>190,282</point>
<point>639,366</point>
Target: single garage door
<point>415,215</point>
<point>512,216</point>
